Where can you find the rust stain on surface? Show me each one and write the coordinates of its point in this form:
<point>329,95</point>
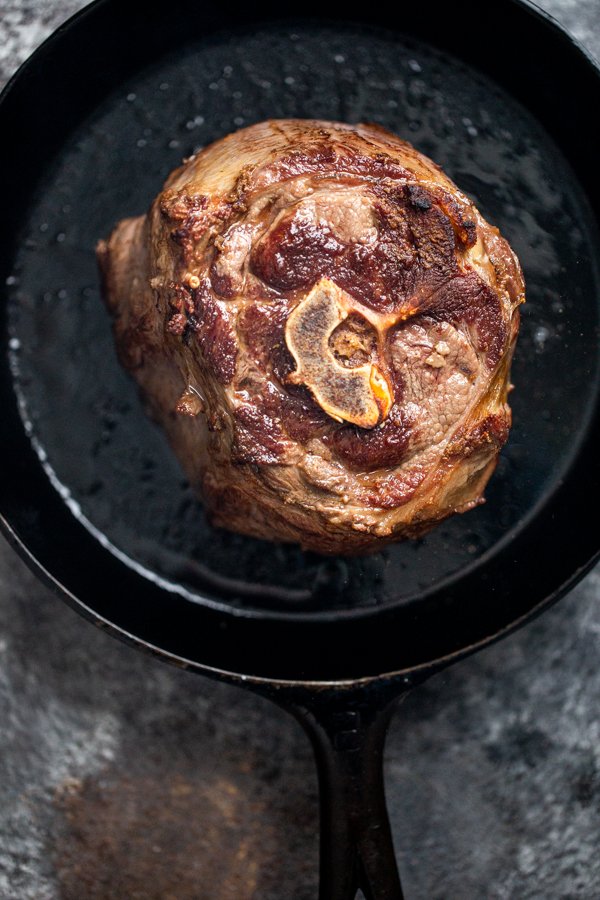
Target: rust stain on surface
<point>168,837</point>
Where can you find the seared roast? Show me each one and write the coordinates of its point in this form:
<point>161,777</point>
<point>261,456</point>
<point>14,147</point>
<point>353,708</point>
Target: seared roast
<point>323,324</point>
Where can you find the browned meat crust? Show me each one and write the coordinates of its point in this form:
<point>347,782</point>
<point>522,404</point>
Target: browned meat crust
<point>323,324</point>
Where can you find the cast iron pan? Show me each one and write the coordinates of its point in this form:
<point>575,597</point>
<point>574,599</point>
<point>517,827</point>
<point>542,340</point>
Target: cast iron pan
<point>90,494</point>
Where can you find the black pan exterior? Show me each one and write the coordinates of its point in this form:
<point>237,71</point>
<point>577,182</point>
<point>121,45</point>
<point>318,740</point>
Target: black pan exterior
<point>64,81</point>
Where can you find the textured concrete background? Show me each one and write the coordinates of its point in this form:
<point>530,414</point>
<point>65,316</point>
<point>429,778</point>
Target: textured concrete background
<point>122,778</point>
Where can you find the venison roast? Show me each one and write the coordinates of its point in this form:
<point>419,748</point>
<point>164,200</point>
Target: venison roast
<point>323,324</point>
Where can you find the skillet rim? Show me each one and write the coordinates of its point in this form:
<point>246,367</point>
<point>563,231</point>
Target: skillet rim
<point>383,614</point>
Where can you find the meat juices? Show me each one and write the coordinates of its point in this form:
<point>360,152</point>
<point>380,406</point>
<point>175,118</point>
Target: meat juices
<point>323,324</point>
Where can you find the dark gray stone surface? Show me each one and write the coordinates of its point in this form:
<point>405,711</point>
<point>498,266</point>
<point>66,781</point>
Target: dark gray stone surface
<point>122,778</point>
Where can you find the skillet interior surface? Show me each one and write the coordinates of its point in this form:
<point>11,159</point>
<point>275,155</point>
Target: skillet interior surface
<point>127,520</point>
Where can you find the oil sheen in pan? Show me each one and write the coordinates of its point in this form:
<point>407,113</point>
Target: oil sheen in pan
<point>113,465</point>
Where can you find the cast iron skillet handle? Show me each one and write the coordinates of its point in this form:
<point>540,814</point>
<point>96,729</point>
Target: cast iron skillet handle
<point>348,730</point>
